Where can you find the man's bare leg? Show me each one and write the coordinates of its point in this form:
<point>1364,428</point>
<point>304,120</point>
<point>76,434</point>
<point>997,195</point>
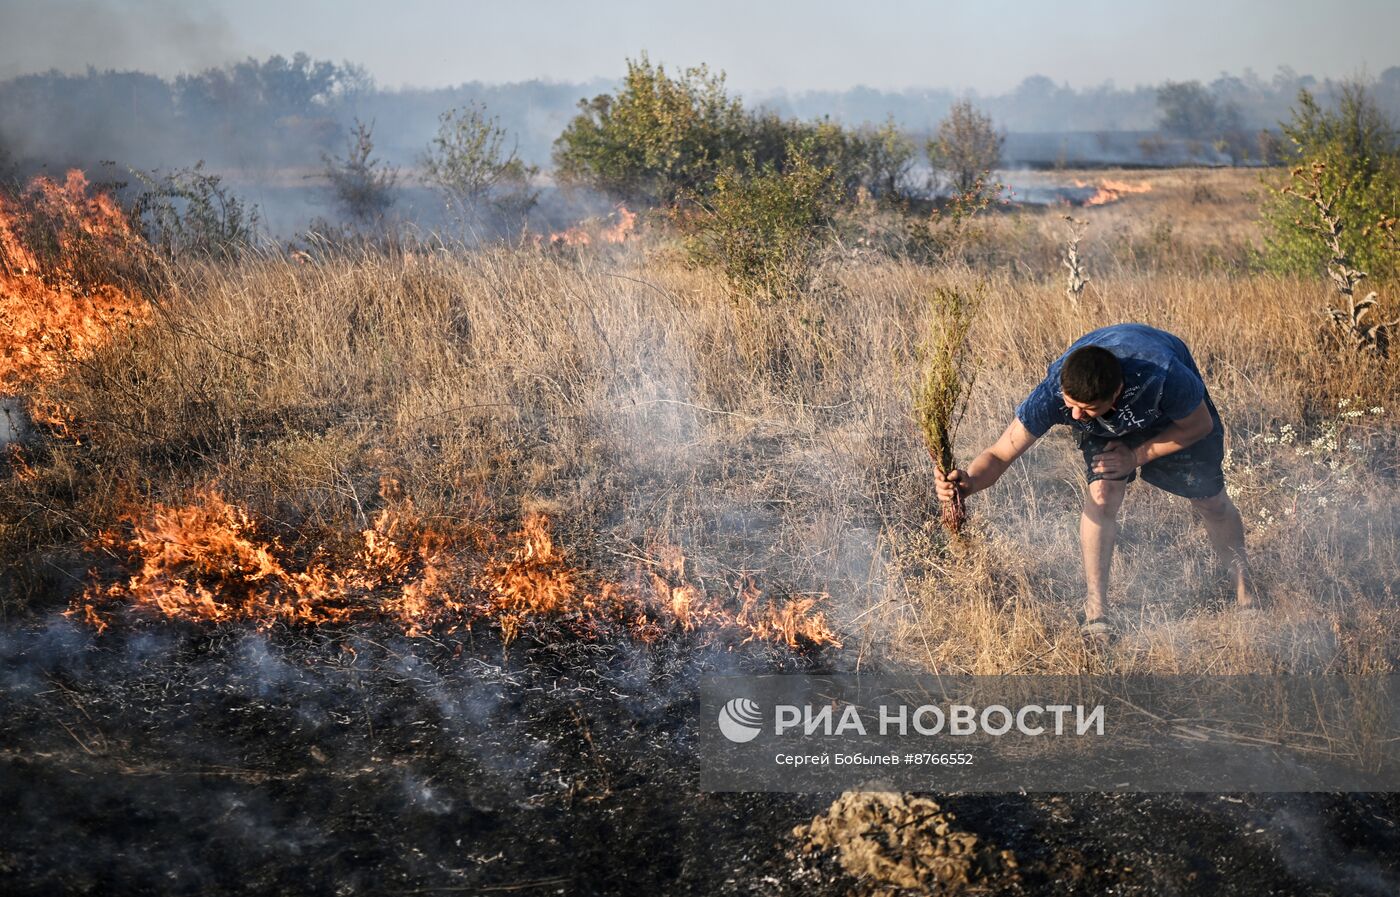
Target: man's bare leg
<point>1226,531</point>
<point>1098,531</point>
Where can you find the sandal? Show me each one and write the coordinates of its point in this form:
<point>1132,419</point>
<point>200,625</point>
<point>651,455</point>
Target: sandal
<point>1098,630</point>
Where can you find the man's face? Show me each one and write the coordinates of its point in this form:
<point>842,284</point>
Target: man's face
<point>1089,410</point>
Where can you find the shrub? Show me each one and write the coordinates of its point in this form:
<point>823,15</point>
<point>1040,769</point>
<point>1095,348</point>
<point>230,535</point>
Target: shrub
<point>191,212</point>
<point>659,138</point>
<point>1351,149</point>
<point>888,161</point>
<point>878,160</point>
<point>951,229</point>
<point>362,189</point>
<point>765,229</point>
<point>467,161</point>
<point>966,147</point>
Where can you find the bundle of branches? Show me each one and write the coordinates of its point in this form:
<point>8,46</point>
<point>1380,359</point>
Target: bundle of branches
<point>945,381</point>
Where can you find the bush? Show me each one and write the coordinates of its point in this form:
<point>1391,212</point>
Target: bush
<point>362,189</point>
<point>764,230</point>
<point>878,160</point>
<point>468,162</point>
<point>887,161</point>
<point>1352,148</point>
<point>966,147</point>
<point>659,138</point>
<point>190,212</point>
<point>662,139</point>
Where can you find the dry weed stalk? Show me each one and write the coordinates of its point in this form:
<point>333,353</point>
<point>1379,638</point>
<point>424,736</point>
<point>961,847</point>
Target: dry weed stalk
<point>1077,280</point>
<point>1349,324</point>
<point>941,394</point>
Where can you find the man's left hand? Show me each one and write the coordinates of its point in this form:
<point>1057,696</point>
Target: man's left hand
<point>1115,462</point>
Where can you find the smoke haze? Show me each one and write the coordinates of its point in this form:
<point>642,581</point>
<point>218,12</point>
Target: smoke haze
<point>149,35</point>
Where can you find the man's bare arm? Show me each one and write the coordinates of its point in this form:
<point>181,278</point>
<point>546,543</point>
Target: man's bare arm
<point>987,467</point>
<point>1178,435</point>
<point>1117,460</point>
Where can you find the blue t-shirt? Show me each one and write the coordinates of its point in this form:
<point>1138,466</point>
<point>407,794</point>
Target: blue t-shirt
<point>1160,384</point>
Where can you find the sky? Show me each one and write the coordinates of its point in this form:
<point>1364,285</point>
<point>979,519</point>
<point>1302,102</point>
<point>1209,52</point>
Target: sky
<point>987,46</point>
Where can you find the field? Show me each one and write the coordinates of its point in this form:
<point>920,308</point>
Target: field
<point>672,434</point>
<point>633,400</point>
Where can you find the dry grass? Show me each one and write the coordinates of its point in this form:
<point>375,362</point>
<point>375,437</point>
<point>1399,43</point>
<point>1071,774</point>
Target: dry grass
<point>630,397</point>
<point>1191,221</point>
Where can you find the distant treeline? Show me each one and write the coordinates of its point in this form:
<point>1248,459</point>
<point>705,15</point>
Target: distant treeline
<point>287,113</point>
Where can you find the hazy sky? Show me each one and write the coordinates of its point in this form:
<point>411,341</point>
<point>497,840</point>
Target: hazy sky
<point>988,46</point>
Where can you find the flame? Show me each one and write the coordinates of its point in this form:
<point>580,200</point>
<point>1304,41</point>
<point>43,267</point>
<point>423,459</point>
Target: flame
<point>622,228</point>
<point>53,309</point>
<point>624,222</point>
<point>208,561</point>
<point>1112,191</point>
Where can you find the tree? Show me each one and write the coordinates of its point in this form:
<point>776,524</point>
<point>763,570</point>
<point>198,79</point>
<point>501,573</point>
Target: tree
<point>1189,110</point>
<point>363,190</point>
<point>469,163</point>
<point>966,146</point>
<point>888,160</point>
<point>656,139</point>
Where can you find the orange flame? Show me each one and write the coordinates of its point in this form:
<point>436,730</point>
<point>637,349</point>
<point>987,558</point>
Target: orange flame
<point>53,312</point>
<point>1112,191</point>
<point>206,561</point>
<point>624,223</point>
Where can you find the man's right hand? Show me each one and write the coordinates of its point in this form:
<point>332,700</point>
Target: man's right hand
<point>946,485</point>
<point>990,465</point>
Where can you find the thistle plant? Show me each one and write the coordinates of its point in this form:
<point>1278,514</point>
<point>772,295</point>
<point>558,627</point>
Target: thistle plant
<point>945,381</point>
<point>1077,279</point>
<point>1350,324</point>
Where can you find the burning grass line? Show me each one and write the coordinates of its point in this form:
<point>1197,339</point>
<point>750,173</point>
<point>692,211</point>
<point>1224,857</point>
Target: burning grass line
<point>209,562</point>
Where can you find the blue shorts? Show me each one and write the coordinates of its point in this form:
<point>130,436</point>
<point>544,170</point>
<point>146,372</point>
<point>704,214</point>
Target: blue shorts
<point>1193,472</point>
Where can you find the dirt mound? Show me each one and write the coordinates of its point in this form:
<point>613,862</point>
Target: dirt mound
<point>893,841</point>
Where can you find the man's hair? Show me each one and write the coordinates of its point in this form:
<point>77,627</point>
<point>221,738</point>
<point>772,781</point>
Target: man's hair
<point>1091,374</point>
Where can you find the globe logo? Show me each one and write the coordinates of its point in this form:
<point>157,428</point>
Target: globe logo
<point>740,720</point>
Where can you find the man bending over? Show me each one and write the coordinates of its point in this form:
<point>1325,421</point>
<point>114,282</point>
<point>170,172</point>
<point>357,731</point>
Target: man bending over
<point>1135,401</point>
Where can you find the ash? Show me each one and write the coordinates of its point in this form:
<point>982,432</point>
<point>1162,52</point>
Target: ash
<point>191,760</point>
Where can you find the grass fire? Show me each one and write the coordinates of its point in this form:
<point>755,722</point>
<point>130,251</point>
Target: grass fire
<point>205,562</point>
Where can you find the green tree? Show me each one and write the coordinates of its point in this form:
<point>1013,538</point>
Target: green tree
<point>658,138</point>
<point>888,160</point>
<point>469,163</point>
<point>1346,157</point>
<point>966,146</point>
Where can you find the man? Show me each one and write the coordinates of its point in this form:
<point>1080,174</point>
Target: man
<point>1135,400</point>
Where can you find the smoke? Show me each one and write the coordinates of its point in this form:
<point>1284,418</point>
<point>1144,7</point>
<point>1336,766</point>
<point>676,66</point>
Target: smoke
<point>164,36</point>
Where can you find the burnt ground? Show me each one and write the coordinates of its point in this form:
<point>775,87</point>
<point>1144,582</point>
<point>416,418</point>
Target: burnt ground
<point>221,761</point>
